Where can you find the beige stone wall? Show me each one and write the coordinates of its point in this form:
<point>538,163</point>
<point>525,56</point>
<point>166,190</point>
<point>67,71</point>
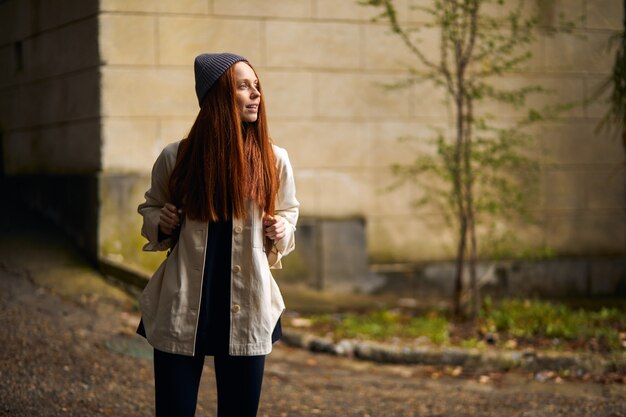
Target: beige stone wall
<point>321,63</point>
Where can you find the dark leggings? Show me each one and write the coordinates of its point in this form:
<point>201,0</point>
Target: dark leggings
<point>177,378</point>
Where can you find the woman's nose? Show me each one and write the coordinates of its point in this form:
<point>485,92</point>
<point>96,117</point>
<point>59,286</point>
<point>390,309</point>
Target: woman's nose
<point>255,92</point>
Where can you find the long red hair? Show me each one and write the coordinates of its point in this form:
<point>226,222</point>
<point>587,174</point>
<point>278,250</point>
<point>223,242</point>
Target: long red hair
<point>221,157</point>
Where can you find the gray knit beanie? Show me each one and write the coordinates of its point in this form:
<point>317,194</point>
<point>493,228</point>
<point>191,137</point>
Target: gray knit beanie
<point>209,67</point>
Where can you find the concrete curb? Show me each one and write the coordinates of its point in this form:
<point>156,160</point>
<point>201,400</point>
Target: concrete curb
<point>493,360</point>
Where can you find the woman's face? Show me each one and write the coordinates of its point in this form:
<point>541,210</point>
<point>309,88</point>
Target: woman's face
<point>247,94</point>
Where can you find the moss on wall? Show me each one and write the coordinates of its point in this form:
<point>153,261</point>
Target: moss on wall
<point>120,225</point>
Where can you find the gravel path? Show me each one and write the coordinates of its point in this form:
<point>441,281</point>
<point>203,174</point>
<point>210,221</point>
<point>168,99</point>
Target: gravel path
<point>61,356</point>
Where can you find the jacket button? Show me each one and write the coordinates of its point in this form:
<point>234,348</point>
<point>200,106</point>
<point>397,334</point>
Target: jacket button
<point>238,229</point>
<point>236,268</point>
<point>236,308</point>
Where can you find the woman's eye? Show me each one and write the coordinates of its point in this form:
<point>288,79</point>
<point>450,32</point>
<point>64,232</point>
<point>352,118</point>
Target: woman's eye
<point>246,86</point>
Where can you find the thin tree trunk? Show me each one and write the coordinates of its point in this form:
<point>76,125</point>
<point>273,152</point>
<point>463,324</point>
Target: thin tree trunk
<point>458,185</point>
<point>468,41</point>
<point>469,196</point>
<point>460,262</point>
<point>462,217</point>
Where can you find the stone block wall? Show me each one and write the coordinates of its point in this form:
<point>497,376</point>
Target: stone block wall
<point>322,64</point>
<point>99,88</point>
<point>49,111</point>
<point>49,107</point>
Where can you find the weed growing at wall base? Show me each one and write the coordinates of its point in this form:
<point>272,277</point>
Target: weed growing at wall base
<point>511,323</point>
<point>531,319</point>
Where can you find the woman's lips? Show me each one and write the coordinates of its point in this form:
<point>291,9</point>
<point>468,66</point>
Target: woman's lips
<point>252,107</point>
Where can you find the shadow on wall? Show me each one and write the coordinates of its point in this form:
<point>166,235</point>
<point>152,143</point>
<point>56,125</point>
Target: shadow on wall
<point>553,278</point>
<point>331,255</point>
<point>2,170</point>
<point>70,202</point>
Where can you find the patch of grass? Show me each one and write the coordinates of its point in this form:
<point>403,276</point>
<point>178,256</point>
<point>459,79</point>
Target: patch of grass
<point>535,322</point>
<point>435,328</point>
<point>384,324</point>
<point>536,318</point>
<point>473,342</point>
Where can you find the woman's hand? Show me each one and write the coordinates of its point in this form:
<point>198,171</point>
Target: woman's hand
<point>275,227</point>
<point>169,219</point>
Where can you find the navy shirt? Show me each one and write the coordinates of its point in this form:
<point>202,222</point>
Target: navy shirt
<point>214,322</point>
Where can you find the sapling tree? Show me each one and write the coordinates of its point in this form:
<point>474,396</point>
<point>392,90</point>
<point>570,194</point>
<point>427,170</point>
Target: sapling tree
<point>483,173</point>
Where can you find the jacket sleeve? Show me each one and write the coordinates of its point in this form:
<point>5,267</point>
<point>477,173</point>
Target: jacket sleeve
<point>155,199</point>
<point>287,206</point>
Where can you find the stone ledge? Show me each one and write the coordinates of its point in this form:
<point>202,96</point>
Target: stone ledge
<point>471,358</point>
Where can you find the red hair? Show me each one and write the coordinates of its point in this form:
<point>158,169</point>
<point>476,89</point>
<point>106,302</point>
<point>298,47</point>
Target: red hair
<point>223,156</point>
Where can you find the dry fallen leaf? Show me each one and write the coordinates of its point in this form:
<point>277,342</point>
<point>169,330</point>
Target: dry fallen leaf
<point>300,322</point>
<point>510,344</point>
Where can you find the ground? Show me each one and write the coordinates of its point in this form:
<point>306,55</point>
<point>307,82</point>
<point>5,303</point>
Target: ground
<point>69,349</point>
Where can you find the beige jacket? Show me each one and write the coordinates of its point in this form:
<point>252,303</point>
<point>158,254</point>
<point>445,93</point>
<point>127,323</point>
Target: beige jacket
<point>170,302</point>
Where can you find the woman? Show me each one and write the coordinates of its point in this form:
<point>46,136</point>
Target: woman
<point>222,201</point>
